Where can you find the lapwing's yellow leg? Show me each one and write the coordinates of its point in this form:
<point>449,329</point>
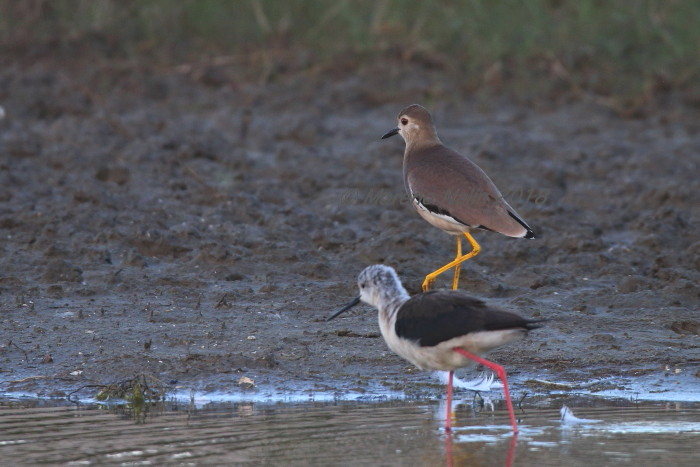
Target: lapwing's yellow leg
<point>430,278</point>
<point>455,279</point>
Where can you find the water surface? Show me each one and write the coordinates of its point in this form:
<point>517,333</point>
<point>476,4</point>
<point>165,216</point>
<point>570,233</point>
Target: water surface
<point>393,432</point>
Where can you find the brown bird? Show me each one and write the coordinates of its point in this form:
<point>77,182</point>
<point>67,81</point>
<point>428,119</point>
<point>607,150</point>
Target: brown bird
<point>450,191</point>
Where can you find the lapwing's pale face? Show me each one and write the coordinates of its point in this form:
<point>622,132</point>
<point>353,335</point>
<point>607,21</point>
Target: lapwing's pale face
<point>408,127</point>
<point>414,124</point>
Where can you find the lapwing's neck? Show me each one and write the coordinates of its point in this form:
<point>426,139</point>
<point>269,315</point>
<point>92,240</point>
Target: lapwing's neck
<point>425,141</point>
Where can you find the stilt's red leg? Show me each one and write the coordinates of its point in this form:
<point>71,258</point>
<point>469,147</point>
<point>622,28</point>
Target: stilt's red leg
<point>501,375</point>
<point>448,415</point>
<point>511,449</point>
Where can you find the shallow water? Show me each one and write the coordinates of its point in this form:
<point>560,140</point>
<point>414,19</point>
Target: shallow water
<point>390,432</point>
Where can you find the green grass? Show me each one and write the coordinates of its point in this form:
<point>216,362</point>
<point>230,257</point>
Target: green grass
<point>606,47</point>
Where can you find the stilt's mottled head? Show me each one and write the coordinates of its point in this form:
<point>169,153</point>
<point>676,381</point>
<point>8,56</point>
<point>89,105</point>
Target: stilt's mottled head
<point>415,126</point>
<point>379,285</point>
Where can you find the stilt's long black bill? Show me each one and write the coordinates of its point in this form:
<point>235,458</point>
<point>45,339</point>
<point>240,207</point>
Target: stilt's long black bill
<point>391,133</point>
<point>355,301</point>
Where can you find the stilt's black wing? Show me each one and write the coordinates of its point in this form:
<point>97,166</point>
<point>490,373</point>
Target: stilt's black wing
<point>439,315</point>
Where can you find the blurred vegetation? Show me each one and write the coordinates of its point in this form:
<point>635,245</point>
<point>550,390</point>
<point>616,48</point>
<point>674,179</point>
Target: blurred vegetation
<point>607,47</point>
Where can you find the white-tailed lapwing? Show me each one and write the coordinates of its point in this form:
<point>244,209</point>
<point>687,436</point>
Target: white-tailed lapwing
<point>439,329</point>
<point>450,191</point>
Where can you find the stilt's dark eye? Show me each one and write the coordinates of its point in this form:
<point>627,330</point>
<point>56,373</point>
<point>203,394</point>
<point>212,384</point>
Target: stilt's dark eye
<point>404,121</point>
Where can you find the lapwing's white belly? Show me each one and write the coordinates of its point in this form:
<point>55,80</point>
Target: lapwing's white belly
<point>441,221</point>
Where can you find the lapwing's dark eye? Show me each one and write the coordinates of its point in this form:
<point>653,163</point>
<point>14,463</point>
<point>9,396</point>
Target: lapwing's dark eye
<point>404,121</point>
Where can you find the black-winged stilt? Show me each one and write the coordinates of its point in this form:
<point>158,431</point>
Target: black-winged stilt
<point>439,329</point>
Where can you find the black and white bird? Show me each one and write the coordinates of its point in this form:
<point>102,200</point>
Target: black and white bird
<point>440,329</point>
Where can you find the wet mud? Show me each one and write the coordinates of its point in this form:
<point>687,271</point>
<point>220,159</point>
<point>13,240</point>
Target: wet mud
<point>200,232</point>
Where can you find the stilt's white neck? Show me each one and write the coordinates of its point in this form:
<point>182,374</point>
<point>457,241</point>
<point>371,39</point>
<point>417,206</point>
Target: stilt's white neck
<point>390,304</point>
<point>390,297</point>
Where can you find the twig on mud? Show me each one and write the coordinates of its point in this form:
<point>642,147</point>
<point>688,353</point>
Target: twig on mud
<point>223,303</point>
<point>24,380</point>
<point>26,355</point>
<point>520,402</point>
<point>199,179</point>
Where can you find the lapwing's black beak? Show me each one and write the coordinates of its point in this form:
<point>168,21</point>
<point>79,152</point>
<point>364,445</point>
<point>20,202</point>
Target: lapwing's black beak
<point>393,132</point>
<point>355,301</point>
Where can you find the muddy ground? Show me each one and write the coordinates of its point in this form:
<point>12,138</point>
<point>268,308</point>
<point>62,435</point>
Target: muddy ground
<point>198,229</point>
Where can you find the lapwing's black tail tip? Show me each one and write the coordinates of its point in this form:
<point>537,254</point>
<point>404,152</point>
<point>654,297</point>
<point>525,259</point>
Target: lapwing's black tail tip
<point>528,231</point>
